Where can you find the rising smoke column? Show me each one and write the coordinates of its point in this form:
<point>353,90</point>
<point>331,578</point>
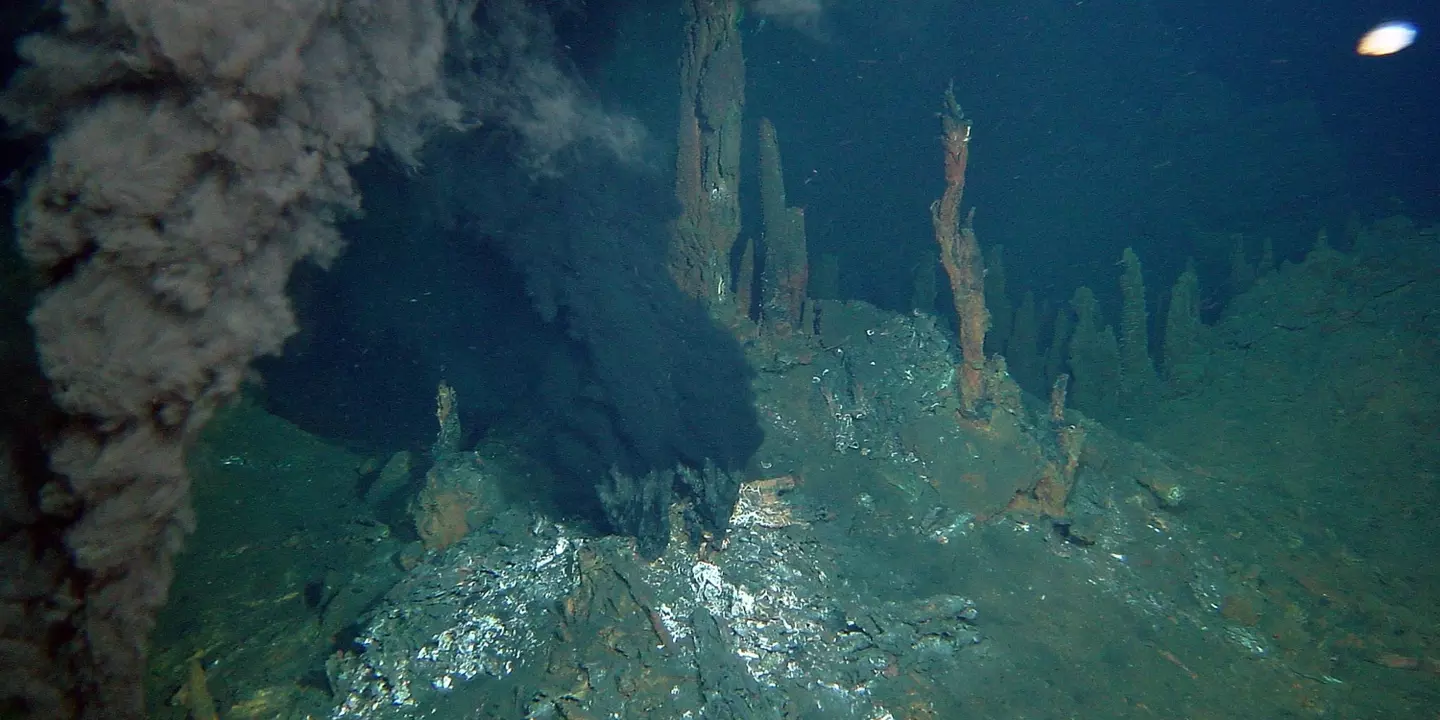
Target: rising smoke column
<point>198,149</point>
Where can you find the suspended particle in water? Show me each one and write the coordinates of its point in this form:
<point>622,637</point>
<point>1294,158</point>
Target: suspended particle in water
<point>1387,38</point>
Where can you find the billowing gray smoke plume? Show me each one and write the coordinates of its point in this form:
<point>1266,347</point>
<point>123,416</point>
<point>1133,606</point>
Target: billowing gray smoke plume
<point>805,16</point>
<point>198,150</point>
<point>514,76</point>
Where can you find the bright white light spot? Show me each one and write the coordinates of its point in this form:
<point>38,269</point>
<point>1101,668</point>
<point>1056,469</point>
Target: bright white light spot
<point>1387,38</point>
